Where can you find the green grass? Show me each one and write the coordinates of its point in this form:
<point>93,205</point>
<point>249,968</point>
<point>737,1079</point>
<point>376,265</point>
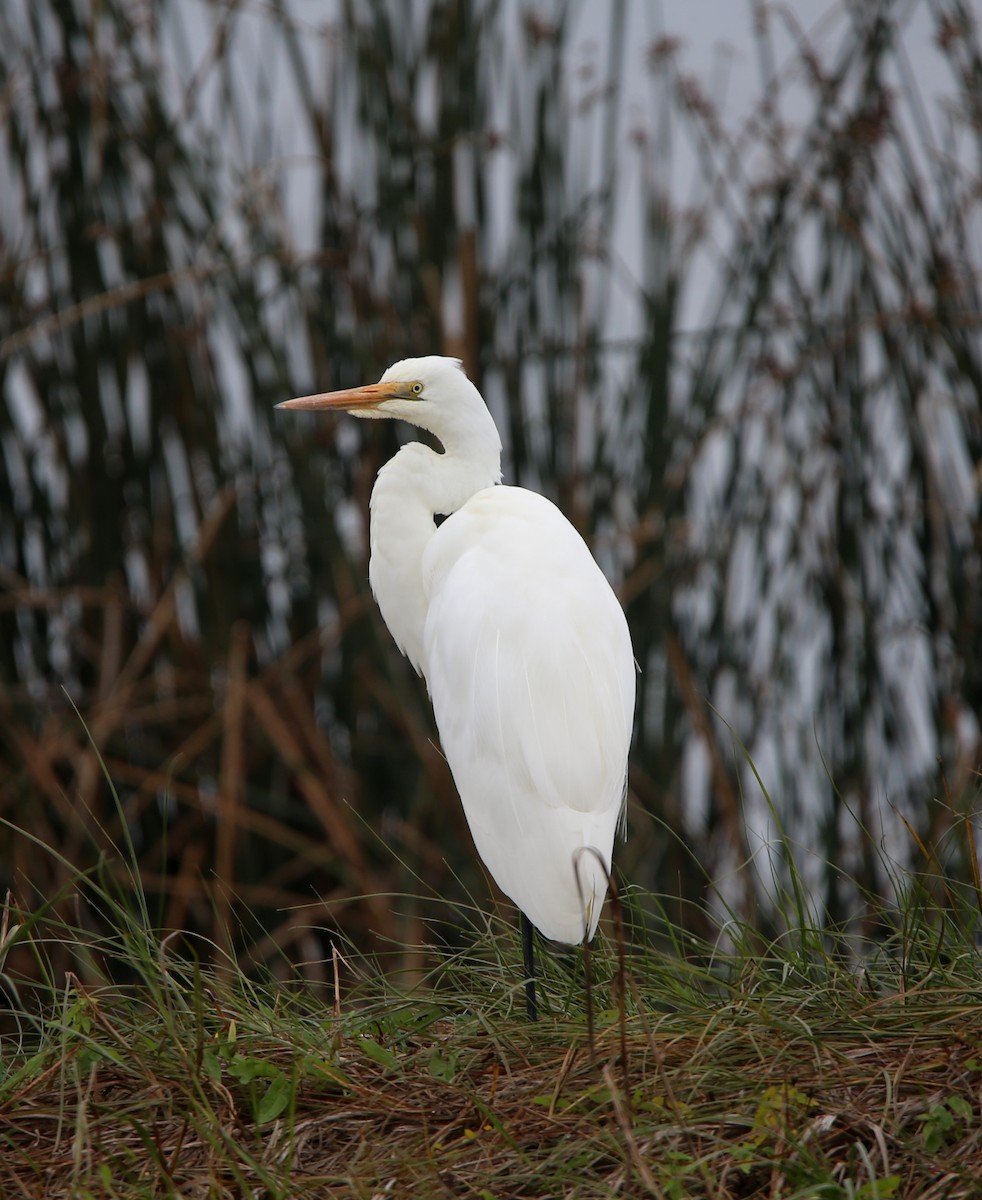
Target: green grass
<point>793,1065</point>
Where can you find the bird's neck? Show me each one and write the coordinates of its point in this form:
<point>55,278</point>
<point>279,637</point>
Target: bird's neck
<point>413,487</point>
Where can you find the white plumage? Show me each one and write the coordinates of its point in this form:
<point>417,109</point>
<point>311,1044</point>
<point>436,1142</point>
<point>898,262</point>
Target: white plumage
<point>523,644</point>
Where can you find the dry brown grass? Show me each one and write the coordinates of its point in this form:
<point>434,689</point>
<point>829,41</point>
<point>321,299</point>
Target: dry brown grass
<point>774,1090</point>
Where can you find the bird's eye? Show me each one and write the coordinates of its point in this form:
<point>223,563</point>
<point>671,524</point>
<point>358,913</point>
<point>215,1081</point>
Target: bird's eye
<point>417,389</point>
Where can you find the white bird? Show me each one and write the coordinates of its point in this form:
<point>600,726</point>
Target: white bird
<point>523,645</point>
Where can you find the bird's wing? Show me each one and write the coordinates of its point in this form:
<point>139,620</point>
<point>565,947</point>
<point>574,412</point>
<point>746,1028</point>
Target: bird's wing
<point>529,664</point>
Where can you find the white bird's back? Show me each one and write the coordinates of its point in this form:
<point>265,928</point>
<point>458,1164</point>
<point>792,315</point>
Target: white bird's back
<point>529,665</point>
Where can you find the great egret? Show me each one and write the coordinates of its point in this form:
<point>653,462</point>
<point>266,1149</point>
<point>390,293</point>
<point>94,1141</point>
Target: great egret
<point>523,645</point>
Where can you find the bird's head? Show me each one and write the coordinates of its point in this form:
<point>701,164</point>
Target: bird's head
<point>432,393</point>
<point>435,395</point>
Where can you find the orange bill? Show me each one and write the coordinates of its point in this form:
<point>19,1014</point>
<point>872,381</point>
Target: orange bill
<point>371,395</point>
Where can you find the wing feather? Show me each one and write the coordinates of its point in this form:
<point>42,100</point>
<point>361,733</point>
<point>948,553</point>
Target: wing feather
<point>521,620</point>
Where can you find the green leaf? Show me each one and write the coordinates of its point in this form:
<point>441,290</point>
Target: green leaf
<point>331,1071</point>
<point>275,1099</point>
<point>378,1052</point>
<point>442,1066</point>
<point>879,1189</point>
<point>246,1070</point>
<point>212,1064</point>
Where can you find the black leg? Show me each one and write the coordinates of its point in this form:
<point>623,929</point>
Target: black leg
<point>528,956</point>
<point>588,996</point>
